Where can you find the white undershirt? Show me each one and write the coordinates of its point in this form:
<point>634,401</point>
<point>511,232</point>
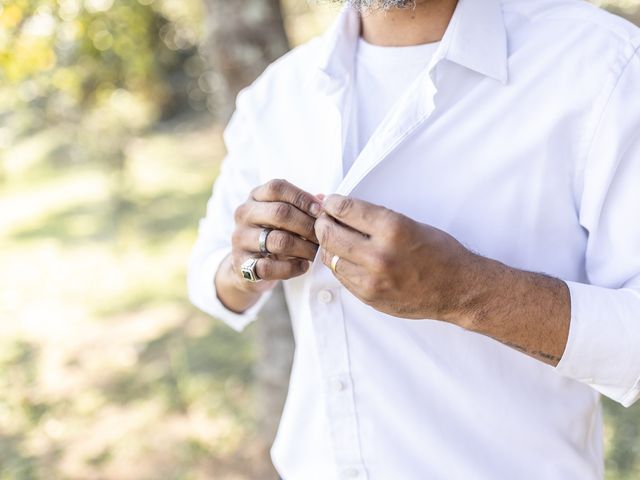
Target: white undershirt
<point>382,75</point>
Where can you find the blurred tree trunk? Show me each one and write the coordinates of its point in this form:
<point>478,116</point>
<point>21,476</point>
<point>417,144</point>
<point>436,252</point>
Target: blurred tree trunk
<point>244,37</point>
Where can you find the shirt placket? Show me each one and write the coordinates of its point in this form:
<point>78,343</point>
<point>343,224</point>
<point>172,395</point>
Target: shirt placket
<point>331,341</point>
<point>326,309</point>
<point>325,291</point>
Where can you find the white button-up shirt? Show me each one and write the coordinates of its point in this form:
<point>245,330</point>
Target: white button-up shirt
<point>521,139</point>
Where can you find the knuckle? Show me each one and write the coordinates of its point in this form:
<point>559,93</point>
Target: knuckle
<point>308,229</point>
<point>324,232</point>
<point>394,226</point>
<point>276,187</point>
<point>240,213</point>
<point>344,206</point>
<point>265,268</point>
<point>301,200</point>
<point>317,227</point>
<point>282,213</point>
<point>323,221</point>
<point>282,241</point>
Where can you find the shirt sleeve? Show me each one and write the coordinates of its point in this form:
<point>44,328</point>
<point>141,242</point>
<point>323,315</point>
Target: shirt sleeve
<point>239,174</point>
<point>603,348</point>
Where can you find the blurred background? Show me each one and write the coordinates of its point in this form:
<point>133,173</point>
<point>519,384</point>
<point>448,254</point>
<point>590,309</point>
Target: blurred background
<point>111,113</point>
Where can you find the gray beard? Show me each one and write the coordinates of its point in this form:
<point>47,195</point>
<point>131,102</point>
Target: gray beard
<point>371,5</point>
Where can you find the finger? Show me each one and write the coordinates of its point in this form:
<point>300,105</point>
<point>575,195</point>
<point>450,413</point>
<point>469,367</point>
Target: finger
<point>279,242</point>
<point>268,268</point>
<point>357,279</point>
<point>357,214</point>
<point>282,216</point>
<point>349,244</point>
<point>347,273</point>
<point>282,191</point>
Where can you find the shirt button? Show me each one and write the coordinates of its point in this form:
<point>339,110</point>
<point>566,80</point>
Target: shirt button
<point>338,385</point>
<point>350,473</point>
<point>325,296</point>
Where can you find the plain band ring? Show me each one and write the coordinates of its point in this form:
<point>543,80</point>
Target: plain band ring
<point>262,241</point>
<point>334,263</point>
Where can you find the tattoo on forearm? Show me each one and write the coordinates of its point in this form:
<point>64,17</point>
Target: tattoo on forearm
<point>546,356</point>
<point>539,355</point>
<point>517,347</point>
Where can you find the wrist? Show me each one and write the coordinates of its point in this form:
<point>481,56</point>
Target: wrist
<point>478,282</point>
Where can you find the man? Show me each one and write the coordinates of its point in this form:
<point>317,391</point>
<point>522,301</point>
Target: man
<point>463,147</point>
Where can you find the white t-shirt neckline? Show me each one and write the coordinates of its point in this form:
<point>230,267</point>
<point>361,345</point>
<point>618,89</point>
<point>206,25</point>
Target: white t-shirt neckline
<point>382,74</point>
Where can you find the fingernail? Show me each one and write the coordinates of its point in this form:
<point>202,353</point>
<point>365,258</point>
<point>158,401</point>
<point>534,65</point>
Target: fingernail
<point>315,209</point>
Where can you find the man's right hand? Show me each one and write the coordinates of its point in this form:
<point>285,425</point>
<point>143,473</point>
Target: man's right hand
<point>291,213</point>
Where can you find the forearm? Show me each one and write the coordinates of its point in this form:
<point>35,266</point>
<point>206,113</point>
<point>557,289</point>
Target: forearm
<point>231,292</point>
<point>527,311</point>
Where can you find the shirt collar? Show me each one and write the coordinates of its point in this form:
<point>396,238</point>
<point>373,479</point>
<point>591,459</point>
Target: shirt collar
<point>476,38</point>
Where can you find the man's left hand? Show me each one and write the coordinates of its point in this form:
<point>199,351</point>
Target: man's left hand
<point>394,264</point>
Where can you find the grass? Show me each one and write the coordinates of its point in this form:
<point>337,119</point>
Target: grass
<point>104,365</point>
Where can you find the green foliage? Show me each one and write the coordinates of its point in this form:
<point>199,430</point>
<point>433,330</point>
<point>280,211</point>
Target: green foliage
<point>623,446</point>
<point>83,51</point>
<point>96,70</point>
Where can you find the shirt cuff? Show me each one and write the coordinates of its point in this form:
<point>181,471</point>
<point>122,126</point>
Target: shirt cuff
<point>602,347</point>
<point>207,298</point>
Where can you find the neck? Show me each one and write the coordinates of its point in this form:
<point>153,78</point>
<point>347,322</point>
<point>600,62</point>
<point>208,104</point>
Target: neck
<point>398,27</point>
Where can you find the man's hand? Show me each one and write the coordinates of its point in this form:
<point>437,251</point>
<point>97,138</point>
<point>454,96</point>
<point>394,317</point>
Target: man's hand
<point>396,265</point>
<point>412,270</point>
<point>292,243</point>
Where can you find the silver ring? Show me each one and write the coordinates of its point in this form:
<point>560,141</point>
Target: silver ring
<point>248,270</point>
<point>262,241</point>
